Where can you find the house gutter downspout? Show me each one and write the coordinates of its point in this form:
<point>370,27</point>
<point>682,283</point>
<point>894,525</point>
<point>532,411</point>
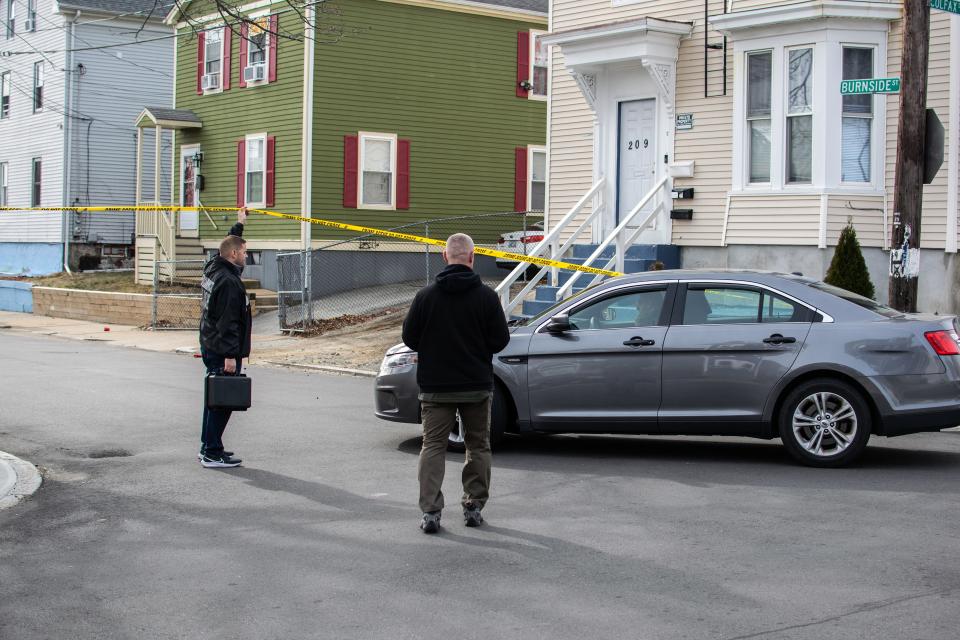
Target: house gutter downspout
<point>306,161</point>
<point>66,226</point>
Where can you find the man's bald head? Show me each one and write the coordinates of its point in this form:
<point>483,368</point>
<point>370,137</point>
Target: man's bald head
<point>459,250</point>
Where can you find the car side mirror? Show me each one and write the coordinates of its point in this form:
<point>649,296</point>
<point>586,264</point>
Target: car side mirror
<point>559,323</point>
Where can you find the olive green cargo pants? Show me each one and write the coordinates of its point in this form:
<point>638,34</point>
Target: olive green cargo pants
<point>438,420</point>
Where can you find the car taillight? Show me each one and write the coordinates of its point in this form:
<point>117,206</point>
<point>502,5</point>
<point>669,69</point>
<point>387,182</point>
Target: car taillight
<point>529,239</point>
<point>945,343</point>
<point>501,240</point>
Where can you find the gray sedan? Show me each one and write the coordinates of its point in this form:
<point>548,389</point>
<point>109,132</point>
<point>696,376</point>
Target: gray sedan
<point>733,353</point>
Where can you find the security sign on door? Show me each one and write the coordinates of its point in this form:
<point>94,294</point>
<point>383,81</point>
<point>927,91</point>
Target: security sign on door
<point>637,155</point>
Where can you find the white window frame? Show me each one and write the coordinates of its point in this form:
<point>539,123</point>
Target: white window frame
<point>874,168</point>
<point>827,43</point>
<point>31,19</point>
<point>4,182</point>
<point>266,50</point>
<point>36,186</point>
<point>5,87</point>
<point>533,56</point>
<point>11,22</point>
<point>531,149</point>
<point>38,86</point>
<point>748,149</point>
<point>362,138</point>
<point>786,115</point>
<point>246,169</point>
<point>223,34</point>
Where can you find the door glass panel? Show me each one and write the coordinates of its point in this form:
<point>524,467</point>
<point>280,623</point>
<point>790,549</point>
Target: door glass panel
<point>633,309</point>
<point>718,305</point>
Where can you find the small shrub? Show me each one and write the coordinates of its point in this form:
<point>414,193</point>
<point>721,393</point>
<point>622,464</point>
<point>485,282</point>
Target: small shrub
<point>848,269</point>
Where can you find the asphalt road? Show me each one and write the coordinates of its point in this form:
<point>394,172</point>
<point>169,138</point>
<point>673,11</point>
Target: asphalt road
<point>316,536</point>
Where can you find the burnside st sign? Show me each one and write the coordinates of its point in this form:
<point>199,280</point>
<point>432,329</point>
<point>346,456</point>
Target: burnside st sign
<point>870,85</point>
<point>946,5</point>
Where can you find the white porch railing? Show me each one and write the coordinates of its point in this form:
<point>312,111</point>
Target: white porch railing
<point>551,242</point>
<point>622,238</point>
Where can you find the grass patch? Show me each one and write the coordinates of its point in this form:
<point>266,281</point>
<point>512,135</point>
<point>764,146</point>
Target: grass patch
<point>117,282</point>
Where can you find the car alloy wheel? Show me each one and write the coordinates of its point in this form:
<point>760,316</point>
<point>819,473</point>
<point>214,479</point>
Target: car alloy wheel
<point>825,422</point>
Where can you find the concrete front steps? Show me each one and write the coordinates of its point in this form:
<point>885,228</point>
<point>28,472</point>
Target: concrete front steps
<point>639,258</point>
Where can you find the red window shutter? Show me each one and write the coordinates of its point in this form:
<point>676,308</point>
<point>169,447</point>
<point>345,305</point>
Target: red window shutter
<point>403,174</point>
<point>271,157</point>
<point>351,168</point>
<point>523,63</point>
<point>241,172</point>
<point>520,184</point>
<point>227,46</point>
<point>274,29</point>
<point>244,43</point>
<point>201,40</point>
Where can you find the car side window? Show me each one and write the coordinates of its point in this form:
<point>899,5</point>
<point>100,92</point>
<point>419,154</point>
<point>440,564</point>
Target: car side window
<point>632,309</point>
<point>778,309</point>
<point>721,305</point>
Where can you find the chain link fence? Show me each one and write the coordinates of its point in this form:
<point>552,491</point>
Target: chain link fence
<point>176,294</point>
<point>366,275</point>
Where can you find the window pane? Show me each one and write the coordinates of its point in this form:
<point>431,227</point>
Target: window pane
<point>777,309</point>
<point>636,309</point>
<point>541,62</point>
<point>758,78</point>
<point>255,154</point>
<point>377,155</point>
<point>538,191</point>
<point>800,97</point>
<point>377,187</point>
<point>254,186</point>
<point>855,161</point>
<point>759,151</point>
<point>539,162</point>
<point>721,306</point>
<point>857,64</point>
<point>800,149</point>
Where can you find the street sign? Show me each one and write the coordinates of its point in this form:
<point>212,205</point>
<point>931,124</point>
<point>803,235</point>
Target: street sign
<point>870,85</point>
<point>953,6</point>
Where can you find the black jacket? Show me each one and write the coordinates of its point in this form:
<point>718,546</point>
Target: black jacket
<point>455,325</point>
<point>225,321</point>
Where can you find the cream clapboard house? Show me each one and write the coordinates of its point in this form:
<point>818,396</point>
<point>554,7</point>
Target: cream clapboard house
<point>742,104</point>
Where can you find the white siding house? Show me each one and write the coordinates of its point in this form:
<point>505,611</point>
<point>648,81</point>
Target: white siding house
<point>74,76</point>
<point>775,177</point>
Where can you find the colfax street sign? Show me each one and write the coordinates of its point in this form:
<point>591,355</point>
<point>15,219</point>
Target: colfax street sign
<point>946,5</point>
<point>870,85</point>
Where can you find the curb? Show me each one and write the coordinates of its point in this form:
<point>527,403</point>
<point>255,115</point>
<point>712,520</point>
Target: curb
<point>953,429</point>
<point>319,367</point>
<point>18,480</point>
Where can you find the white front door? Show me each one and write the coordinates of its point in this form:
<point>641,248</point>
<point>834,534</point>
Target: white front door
<point>636,155</point>
<point>189,224</point>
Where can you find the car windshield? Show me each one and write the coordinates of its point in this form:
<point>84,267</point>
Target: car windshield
<point>858,300</point>
<point>522,322</point>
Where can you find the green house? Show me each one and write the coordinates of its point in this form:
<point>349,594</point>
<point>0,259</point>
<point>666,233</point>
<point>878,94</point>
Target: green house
<point>372,112</point>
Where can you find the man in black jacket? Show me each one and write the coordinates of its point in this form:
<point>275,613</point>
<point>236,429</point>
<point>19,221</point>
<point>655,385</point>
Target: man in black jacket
<point>455,325</point>
<point>225,334</point>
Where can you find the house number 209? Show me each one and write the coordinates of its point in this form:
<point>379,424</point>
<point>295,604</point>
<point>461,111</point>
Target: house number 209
<point>635,144</point>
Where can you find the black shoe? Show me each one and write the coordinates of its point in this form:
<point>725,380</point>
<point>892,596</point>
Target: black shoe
<point>430,522</point>
<point>228,454</point>
<point>217,462</point>
<point>471,515</point>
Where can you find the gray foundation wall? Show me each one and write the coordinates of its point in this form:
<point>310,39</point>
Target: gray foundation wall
<point>939,271</point>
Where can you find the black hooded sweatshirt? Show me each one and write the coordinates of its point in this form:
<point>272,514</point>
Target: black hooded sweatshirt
<point>225,323</point>
<point>455,325</point>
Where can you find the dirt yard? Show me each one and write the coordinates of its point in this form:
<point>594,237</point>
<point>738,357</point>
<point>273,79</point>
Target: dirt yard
<point>359,346</point>
<point>116,281</point>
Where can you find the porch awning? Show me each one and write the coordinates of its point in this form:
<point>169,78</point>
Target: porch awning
<point>642,40</point>
<point>168,118</point>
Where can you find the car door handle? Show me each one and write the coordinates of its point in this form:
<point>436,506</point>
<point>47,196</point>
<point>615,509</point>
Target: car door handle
<point>637,341</point>
<point>779,339</point>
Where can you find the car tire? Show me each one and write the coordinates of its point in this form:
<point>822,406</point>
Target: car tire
<point>825,423</point>
<point>498,424</point>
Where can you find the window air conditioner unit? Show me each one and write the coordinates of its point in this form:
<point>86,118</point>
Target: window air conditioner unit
<point>254,73</point>
<point>210,81</point>
<point>29,24</point>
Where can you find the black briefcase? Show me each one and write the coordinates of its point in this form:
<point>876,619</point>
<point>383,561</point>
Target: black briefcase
<point>227,392</point>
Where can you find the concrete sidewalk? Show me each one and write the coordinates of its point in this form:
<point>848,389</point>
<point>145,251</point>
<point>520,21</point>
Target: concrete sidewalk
<point>18,479</point>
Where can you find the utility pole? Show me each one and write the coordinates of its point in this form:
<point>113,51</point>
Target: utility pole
<point>911,135</point>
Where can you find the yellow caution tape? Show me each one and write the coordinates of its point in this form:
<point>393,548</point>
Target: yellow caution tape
<point>545,262</point>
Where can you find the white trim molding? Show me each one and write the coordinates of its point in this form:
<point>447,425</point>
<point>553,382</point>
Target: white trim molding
<point>362,137</point>
<point>953,140</point>
<point>734,24</point>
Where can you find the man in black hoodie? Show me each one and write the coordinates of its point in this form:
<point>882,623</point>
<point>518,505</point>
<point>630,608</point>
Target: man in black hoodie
<point>455,325</point>
<point>225,334</point>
